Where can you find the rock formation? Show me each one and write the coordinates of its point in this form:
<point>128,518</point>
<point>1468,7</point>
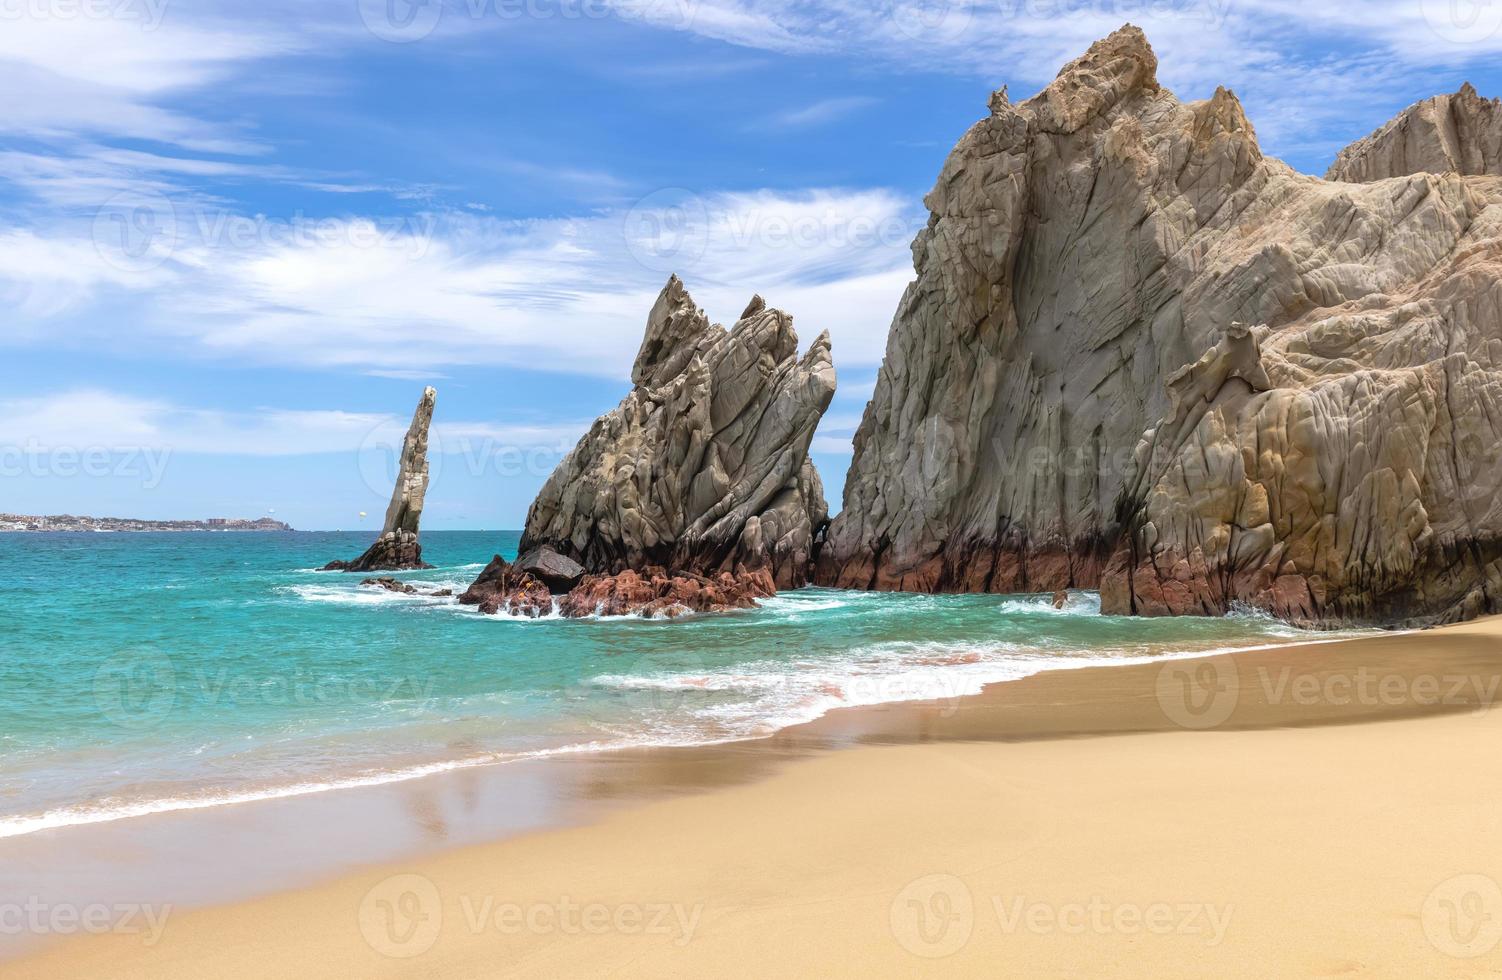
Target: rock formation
<point>1139,355</point>
<point>1457,134</point>
<point>702,469</point>
<point>397,548</point>
<point>660,594</point>
<point>503,588</point>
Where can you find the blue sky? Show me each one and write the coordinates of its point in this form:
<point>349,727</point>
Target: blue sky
<point>237,239</point>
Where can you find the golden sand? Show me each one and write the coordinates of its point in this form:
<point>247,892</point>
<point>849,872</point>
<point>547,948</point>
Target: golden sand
<point>1329,810</point>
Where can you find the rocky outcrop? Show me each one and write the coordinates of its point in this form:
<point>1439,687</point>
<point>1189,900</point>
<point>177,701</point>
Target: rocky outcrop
<point>511,589</point>
<point>1139,355</point>
<point>655,593</point>
<point>703,468</point>
<point>397,548</point>
<point>503,588</point>
<point>1448,134</point>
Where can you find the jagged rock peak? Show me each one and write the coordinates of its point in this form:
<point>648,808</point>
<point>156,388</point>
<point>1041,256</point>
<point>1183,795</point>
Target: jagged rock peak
<point>1114,69</point>
<point>703,468</point>
<point>676,331</point>
<point>1139,355</point>
<point>397,547</point>
<point>1459,133</point>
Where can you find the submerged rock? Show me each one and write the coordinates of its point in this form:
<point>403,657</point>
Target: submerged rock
<point>1141,356</point>
<point>701,471</point>
<point>404,588</point>
<point>397,548</point>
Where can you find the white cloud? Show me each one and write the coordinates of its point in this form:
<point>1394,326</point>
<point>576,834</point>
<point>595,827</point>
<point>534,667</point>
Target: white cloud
<point>456,288</point>
<point>823,111</point>
<point>1276,54</point>
<point>65,75</point>
<point>83,420</point>
<point>42,277</point>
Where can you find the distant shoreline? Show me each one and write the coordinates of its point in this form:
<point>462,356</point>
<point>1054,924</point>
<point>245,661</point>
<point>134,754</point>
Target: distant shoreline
<point>23,523</point>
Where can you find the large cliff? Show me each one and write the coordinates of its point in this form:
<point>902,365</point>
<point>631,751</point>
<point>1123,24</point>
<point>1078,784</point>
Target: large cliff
<point>1140,355</point>
<point>701,471</point>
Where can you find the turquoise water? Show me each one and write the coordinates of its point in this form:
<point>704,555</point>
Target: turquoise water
<point>151,672</point>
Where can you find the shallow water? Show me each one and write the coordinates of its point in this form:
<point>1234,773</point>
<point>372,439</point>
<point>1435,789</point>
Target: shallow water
<point>152,672</point>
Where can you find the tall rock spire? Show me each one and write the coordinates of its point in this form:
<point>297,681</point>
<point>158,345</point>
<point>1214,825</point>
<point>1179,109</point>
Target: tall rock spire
<point>397,548</point>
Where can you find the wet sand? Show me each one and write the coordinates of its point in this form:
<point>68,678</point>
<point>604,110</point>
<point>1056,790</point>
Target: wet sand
<point>1308,810</point>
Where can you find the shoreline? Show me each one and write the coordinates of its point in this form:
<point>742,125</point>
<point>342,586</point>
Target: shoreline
<point>65,818</point>
<point>501,814</point>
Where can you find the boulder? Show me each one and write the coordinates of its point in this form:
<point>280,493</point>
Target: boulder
<point>559,573</point>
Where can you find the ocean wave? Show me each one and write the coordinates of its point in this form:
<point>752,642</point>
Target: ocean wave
<point>107,811</point>
<point>358,596</point>
<point>1077,603</point>
<point>795,603</point>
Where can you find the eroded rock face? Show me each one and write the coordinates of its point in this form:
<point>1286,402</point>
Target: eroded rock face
<point>1458,134</point>
<point>1139,355</point>
<point>703,468</point>
<point>398,548</point>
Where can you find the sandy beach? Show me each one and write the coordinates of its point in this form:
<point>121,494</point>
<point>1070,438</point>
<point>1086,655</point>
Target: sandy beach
<point>1318,810</point>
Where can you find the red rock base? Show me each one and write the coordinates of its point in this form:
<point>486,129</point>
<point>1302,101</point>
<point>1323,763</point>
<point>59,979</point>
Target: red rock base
<point>658,593</point>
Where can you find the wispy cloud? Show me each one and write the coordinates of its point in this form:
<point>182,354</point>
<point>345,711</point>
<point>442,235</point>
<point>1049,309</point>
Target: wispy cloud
<point>70,76</point>
<point>1306,94</point>
<point>96,419</point>
<point>823,111</point>
<point>455,287</point>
